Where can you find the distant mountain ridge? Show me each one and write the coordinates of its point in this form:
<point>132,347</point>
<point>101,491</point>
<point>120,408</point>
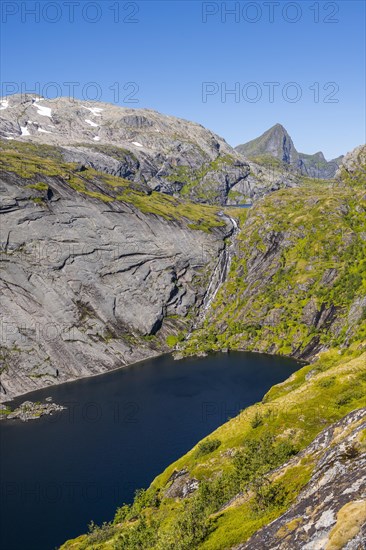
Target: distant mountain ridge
<point>277,143</point>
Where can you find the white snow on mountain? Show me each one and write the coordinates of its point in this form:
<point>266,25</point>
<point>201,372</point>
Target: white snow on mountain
<point>94,110</point>
<point>43,111</point>
<point>91,123</point>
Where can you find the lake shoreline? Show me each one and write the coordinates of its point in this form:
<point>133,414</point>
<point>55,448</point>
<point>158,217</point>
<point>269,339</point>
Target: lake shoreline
<point>16,401</point>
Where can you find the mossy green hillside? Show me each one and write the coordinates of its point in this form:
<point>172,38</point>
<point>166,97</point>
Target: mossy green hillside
<point>297,282</point>
<point>249,469</point>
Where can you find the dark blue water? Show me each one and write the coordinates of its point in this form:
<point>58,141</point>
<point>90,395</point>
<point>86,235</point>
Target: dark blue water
<point>120,430</point>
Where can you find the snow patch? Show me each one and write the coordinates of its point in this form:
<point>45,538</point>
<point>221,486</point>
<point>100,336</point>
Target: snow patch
<point>9,138</point>
<point>91,123</point>
<point>25,131</point>
<point>96,138</point>
<point>43,111</point>
<point>137,144</point>
<point>44,131</point>
<point>4,104</point>
<point>94,110</point>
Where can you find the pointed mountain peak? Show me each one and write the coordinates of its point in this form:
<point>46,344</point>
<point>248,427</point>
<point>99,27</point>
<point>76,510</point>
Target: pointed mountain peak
<point>279,127</point>
<point>275,142</point>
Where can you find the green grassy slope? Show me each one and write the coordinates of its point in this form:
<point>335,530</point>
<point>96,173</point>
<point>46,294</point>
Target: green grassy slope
<point>297,283</point>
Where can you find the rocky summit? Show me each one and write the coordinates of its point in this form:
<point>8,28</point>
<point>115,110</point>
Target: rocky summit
<point>276,143</point>
<point>166,153</point>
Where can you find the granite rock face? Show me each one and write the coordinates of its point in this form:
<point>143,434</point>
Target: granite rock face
<point>89,286</point>
<point>275,142</point>
<point>330,512</point>
<point>181,485</point>
<point>352,165</point>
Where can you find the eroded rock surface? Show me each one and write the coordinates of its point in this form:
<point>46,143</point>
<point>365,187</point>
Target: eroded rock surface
<point>168,154</point>
<point>330,512</point>
<point>277,143</point>
<point>88,286</point>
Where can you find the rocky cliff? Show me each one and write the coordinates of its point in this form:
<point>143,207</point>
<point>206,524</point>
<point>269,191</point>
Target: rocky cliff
<point>276,143</point>
<point>330,512</point>
<point>165,153</point>
<point>96,271</point>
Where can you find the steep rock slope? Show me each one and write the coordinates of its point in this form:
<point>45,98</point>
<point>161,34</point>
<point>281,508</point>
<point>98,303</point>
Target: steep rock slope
<point>167,154</point>
<point>277,143</point>
<point>96,271</point>
<point>352,171</point>
<point>330,512</point>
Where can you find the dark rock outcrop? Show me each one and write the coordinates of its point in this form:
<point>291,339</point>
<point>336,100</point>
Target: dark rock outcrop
<point>181,485</point>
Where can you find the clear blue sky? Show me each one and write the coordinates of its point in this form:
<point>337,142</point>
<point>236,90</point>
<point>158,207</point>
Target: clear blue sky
<point>174,47</point>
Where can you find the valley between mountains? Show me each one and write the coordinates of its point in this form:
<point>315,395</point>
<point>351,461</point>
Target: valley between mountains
<point>123,237</point>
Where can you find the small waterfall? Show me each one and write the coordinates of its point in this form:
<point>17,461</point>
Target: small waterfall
<point>217,278</point>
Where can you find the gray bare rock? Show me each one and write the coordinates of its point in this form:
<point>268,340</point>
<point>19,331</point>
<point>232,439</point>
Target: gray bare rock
<point>165,153</point>
<point>181,485</point>
<point>88,286</point>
